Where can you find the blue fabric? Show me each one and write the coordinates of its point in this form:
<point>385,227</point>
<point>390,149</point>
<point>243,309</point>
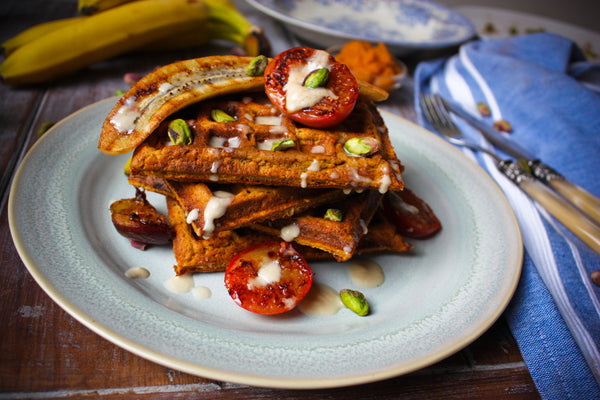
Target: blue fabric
<point>536,82</point>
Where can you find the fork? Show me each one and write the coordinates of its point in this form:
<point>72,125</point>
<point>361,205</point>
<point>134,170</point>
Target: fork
<point>573,219</point>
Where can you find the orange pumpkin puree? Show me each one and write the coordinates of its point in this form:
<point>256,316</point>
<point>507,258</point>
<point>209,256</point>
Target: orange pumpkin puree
<point>374,64</point>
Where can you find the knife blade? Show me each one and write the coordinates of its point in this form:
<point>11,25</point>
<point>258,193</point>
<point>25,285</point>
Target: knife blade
<point>578,196</point>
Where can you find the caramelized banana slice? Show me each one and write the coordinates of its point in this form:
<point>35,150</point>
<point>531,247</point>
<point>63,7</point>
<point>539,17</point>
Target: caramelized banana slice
<point>169,89</point>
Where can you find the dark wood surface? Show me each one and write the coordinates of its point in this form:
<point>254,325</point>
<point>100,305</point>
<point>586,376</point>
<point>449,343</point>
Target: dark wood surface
<point>46,353</point>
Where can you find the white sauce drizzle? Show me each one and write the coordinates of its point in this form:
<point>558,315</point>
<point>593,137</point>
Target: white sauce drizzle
<point>269,272</point>
<point>180,284</point>
<point>137,273</point>
<point>298,96</point>
<point>290,232</point>
<point>321,301</point>
<point>385,182</point>
<point>201,292</point>
<point>125,117</point>
<point>215,208</point>
<point>267,120</point>
<point>314,166</point>
<point>303,177</point>
<point>365,273</point>
<point>193,216</point>
<point>318,149</point>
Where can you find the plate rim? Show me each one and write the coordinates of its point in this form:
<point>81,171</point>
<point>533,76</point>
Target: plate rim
<point>219,374</point>
<point>298,23</point>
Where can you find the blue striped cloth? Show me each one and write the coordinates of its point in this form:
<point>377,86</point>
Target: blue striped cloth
<point>543,85</point>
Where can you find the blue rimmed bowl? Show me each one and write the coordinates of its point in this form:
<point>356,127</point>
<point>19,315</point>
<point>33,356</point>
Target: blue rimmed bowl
<point>403,25</point>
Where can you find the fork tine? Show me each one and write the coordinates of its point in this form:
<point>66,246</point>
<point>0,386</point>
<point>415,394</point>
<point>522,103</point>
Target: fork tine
<point>436,112</point>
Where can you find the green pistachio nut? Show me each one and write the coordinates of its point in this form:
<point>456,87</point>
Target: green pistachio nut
<point>361,147</point>
<point>283,144</point>
<point>179,132</point>
<point>333,214</point>
<point>318,77</point>
<point>257,66</point>
<point>221,116</point>
<point>355,301</point>
<point>127,167</point>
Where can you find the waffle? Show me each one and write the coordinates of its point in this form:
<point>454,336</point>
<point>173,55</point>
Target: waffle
<point>338,238</point>
<point>193,254</point>
<point>240,151</point>
<point>249,204</point>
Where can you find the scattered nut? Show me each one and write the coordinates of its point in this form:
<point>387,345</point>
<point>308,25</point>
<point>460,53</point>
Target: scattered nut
<point>318,77</point>
<point>595,276</point>
<point>120,92</point>
<point>257,66</point>
<point>44,127</point>
<point>502,126</point>
<point>221,116</point>
<point>132,77</point>
<point>355,301</point>
<point>179,132</point>
<point>333,214</point>
<point>127,167</point>
<point>283,144</point>
<point>483,109</point>
<point>361,147</point>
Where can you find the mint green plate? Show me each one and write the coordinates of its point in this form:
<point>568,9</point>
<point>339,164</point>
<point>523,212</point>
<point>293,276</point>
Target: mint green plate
<point>435,300</point>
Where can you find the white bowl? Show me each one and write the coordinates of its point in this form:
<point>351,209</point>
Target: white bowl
<point>403,25</point>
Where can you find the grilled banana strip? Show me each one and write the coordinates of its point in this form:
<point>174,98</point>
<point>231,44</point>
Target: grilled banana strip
<point>167,90</point>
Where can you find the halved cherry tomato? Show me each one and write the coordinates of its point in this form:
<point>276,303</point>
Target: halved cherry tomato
<point>411,215</point>
<point>329,110</point>
<point>268,278</point>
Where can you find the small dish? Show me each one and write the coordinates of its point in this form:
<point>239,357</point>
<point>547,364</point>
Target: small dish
<point>403,25</point>
<point>388,83</point>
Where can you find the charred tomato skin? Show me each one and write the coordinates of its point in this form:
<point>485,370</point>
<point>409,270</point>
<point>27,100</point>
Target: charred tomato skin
<point>411,215</point>
<point>274,297</point>
<point>328,111</point>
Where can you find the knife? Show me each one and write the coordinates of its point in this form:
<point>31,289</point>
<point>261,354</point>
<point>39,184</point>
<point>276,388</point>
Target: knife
<point>578,196</point>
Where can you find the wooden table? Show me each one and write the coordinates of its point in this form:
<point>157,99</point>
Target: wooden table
<point>45,353</point>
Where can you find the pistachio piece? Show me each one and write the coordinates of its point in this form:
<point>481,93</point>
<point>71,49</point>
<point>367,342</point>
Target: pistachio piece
<point>257,66</point>
<point>502,126</point>
<point>179,132</point>
<point>126,168</point>
<point>355,300</point>
<point>595,276</point>
<point>120,92</point>
<point>44,127</point>
<point>221,116</point>
<point>318,77</point>
<point>283,144</point>
<point>361,147</point>
<point>484,109</point>
<point>333,214</point>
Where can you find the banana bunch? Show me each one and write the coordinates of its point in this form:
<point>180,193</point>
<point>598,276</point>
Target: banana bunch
<point>113,27</point>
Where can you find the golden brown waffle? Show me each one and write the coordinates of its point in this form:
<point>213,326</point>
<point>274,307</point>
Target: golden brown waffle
<point>240,151</point>
<point>247,205</point>
<point>340,238</point>
<point>194,254</point>
<point>216,207</point>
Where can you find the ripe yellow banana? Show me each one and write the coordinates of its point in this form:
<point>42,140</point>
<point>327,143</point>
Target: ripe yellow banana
<point>36,31</point>
<point>169,89</point>
<point>100,36</point>
<point>89,7</point>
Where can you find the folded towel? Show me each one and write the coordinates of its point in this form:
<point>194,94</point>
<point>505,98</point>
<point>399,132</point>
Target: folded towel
<point>541,85</point>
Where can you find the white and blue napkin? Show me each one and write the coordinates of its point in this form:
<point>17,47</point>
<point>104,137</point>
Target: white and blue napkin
<point>544,87</point>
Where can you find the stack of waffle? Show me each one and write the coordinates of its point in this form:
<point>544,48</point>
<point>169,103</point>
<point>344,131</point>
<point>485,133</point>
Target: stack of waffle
<point>229,189</point>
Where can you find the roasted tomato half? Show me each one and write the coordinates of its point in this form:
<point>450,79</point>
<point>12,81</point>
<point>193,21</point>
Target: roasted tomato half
<point>325,104</point>
<point>269,278</point>
<point>410,214</point>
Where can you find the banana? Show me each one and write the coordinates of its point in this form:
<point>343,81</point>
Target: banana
<point>169,89</point>
<point>100,36</point>
<point>36,31</point>
<point>254,40</point>
<point>89,7</point>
